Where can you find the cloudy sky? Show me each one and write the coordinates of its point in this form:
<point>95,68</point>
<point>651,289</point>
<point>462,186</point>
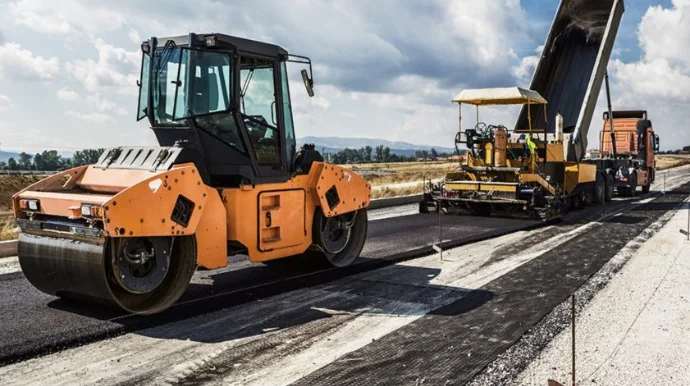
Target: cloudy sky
<point>383,69</point>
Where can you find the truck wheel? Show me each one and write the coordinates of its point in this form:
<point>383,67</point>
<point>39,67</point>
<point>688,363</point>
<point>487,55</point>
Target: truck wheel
<point>633,185</point>
<point>589,197</point>
<point>610,184</point>
<point>645,189</point>
<point>599,189</point>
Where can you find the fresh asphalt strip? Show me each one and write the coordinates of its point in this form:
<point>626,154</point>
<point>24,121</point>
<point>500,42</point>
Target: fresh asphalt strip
<point>450,345</point>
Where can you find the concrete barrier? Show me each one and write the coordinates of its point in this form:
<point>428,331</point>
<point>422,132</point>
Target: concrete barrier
<point>8,248</point>
<point>394,201</point>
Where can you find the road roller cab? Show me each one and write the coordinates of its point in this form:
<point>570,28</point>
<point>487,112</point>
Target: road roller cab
<point>227,179</point>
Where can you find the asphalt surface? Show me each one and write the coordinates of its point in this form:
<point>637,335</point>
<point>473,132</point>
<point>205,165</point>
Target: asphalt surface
<point>58,324</point>
<point>453,343</point>
<point>502,310</point>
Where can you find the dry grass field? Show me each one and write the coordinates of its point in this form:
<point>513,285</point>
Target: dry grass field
<point>666,162</point>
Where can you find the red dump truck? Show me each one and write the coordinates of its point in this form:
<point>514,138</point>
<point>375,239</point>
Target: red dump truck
<point>630,159</point>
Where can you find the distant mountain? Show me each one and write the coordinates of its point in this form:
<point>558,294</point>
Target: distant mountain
<point>5,155</point>
<point>335,144</point>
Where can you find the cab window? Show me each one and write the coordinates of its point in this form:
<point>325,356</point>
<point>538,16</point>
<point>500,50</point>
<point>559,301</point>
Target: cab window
<point>258,109</point>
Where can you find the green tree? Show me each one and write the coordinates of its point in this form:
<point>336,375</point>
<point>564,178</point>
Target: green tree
<point>379,153</point>
<point>386,153</point>
<point>39,163</point>
<point>86,156</point>
<point>367,153</point>
<point>12,164</point>
<point>51,159</point>
<point>434,154</point>
<point>425,155</point>
<point>24,161</point>
<point>65,163</point>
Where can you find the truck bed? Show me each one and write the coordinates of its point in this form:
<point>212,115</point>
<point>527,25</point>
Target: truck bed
<point>572,66</point>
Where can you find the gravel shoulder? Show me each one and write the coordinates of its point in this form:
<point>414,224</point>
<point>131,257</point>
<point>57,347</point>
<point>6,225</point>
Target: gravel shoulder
<point>635,330</point>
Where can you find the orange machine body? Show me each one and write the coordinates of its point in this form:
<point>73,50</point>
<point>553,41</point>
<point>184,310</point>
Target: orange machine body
<point>271,220</point>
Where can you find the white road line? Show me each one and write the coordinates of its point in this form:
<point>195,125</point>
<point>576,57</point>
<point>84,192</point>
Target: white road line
<point>9,265</point>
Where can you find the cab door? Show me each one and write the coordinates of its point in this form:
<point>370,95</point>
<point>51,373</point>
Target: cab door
<point>261,115</point>
<point>282,221</point>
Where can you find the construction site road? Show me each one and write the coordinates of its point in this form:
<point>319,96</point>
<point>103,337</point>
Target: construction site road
<point>422,319</point>
<point>394,234</point>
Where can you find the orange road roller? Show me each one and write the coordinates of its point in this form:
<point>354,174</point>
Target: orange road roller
<point>226,179</point>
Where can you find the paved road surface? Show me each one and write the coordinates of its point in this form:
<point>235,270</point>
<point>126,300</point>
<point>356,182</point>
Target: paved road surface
<point>419,320</point>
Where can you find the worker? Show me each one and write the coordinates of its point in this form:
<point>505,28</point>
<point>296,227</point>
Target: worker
<point>559,126</point>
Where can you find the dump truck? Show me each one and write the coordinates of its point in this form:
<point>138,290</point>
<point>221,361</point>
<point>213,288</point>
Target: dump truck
<point>627,152</point>
<point>226,179</point>
<point>538,169</point>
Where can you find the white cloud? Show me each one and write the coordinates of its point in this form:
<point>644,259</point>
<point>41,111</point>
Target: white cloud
<point>134,36</point>
<point>90,117</point>
<point>660,81</point>
<point>664,32</point>
<point>18,64</point>
<point>67,95</point>
<point>5,103</point>
<point>116,68</point>
<point>469,20</point>
<point>64,16</point>
<point>525,70</point>
<point>104,105</point>
<point>320,102</point>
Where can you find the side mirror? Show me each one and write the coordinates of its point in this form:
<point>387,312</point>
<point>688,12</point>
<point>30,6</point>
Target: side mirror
<point>656,142</point>
<point>308,83</point>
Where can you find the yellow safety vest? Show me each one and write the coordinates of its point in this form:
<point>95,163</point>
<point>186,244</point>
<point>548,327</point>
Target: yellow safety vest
<point>530,144</point>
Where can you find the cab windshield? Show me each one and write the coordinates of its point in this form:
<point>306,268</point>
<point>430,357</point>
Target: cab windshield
<point>203,87</point>
<point>182,83</point>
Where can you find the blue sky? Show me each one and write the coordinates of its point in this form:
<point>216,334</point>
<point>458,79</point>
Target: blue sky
<point>383,69</point>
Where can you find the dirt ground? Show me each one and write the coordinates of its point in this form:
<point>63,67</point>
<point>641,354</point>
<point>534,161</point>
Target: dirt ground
<point>10,185</point>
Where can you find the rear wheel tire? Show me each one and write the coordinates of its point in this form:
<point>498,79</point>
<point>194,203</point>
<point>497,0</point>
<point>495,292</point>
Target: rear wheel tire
<point>650,177</point>
<point>599,191</point>
<point>340,247</point>
<point>633,185</point>
<point>610,185</point>
<point>589,197</point>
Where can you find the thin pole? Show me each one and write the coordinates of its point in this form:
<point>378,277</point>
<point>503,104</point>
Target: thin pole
<point>477,114</point>
<point>440,232</point>
<point>613,132</point>
<point>572,302</point>
<point>459,117</point>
